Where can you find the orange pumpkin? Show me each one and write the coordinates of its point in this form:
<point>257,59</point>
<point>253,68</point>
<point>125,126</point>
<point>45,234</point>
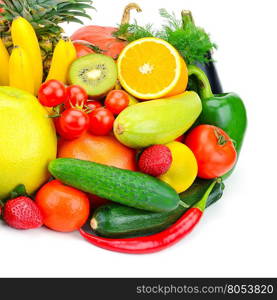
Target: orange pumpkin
<point>102,37</point>
<point>82,50</point>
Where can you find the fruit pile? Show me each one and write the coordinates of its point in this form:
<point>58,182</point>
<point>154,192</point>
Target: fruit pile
<point>120,139</point>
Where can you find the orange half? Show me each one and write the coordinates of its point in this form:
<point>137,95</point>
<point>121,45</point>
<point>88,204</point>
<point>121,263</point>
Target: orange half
<point>151,68</point>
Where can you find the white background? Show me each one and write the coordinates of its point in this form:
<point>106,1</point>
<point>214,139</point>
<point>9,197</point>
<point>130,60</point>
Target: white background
<point>237,236</point>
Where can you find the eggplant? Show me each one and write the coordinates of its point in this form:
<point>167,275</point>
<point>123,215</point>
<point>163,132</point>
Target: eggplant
<point>209,68</point>
<point>211,72</point>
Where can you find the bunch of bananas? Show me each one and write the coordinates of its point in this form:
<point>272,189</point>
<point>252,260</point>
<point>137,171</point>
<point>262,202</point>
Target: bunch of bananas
<point>23,68</point>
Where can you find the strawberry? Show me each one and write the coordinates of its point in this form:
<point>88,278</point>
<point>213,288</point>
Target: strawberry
<point>155,160</point>
<point>22,213</point>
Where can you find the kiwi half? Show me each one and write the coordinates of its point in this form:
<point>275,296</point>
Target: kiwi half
<point>96,73</point>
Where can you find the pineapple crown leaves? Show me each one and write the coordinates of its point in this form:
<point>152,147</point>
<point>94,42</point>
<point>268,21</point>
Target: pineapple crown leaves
<point>45,15</point>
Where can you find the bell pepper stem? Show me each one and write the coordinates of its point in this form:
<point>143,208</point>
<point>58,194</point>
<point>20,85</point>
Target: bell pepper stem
<point>202,203</point>
<point>205,87</point>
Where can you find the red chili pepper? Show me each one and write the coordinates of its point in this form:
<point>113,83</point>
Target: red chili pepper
<point>158,241</point>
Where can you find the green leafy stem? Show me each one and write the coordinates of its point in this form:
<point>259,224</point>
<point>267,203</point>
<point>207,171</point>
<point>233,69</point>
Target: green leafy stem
<point>192,42</point>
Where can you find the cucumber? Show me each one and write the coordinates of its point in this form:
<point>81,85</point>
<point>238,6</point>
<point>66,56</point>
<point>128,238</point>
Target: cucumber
<point>113,220</point>
<point>126,187</point>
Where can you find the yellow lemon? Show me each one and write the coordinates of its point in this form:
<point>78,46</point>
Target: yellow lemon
<point>183,169</point>
<point>27,141</point>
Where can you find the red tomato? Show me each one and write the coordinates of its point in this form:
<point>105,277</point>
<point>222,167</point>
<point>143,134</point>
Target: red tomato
<point>213,149</point>
<point>116,101</point>
<point>101,121</point>
<point>76,96</point>
<point>93,104</point>
<point>73,123</point>
<point>82,50</point>
<point>63,208</point>
<point>52,93</point>
<point>180,138</point>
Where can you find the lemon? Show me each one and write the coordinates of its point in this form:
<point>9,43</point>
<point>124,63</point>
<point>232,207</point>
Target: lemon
<point>183,169</point>
<point>27,141</point>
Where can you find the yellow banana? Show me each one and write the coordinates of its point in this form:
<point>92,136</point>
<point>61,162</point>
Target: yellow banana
<point>24,36</point>
<point>64,54</point>
<point>4,64</point>
<point>21,71</point>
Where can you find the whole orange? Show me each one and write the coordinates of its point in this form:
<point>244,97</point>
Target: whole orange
<point>63,208</point>
<point>105,150</point>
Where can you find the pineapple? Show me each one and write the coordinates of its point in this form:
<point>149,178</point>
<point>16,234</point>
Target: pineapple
<point>45,16</point>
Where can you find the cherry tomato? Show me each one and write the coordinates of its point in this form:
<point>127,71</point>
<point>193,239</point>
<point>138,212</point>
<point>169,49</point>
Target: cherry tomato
<point>101,121</point>
<point>52,93</point>
<point>214,151</point>
<point>93,104</point>
<point>76,96</point>
<point>73,123</point>
<point>116,101</point>
<point>57,124</point>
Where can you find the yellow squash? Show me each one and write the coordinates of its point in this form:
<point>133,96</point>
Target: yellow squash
<point>64,54</point>
<point>23,35</point>
<point>4,64</point>
<point>183,169</point>
<point>20,71</point>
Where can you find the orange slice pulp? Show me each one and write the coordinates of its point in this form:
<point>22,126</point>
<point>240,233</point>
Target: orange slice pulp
<point>151,68</point>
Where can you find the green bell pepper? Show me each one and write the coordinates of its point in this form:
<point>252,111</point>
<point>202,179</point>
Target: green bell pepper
<point>225,111</point>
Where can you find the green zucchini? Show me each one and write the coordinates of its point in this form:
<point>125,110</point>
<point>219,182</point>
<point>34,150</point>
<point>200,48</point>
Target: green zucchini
<point>126,187</point>
<point>113,220</point>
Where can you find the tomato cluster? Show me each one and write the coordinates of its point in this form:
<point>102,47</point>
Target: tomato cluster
<point>77,113</point>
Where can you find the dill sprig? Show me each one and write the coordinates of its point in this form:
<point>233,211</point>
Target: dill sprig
<point>192,42</point>
<point>132,32</point>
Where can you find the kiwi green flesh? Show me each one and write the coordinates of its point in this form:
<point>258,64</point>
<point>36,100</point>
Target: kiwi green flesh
<point>96,73</point>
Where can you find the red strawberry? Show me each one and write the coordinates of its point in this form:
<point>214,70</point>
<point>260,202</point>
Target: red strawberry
<point>22,213</point>
<point>155,160</point>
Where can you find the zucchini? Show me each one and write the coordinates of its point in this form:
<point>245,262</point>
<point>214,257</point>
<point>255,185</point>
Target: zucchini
<point>123,186</point>
<point>113,220</point>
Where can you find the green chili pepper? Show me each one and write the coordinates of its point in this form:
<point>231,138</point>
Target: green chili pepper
<point>225,111</point>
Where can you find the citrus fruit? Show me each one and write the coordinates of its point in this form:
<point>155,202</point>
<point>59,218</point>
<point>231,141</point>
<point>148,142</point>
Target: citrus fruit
<point>63,208</point>
<point>151,68</point>
<point>183,169</point>
<point>101,149</point>
<point>27,141</point>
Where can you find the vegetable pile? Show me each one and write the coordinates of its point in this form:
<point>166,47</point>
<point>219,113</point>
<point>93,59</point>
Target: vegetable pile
<point>122,133</point>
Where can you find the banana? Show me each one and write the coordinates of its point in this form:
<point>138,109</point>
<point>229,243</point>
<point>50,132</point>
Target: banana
<point>4,64</point>
<point>21,70</point>
<point>64,54</point>
<point>24,36</point>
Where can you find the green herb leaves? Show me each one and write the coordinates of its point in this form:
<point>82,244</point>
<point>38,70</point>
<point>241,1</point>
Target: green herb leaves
<point>191,41</point>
